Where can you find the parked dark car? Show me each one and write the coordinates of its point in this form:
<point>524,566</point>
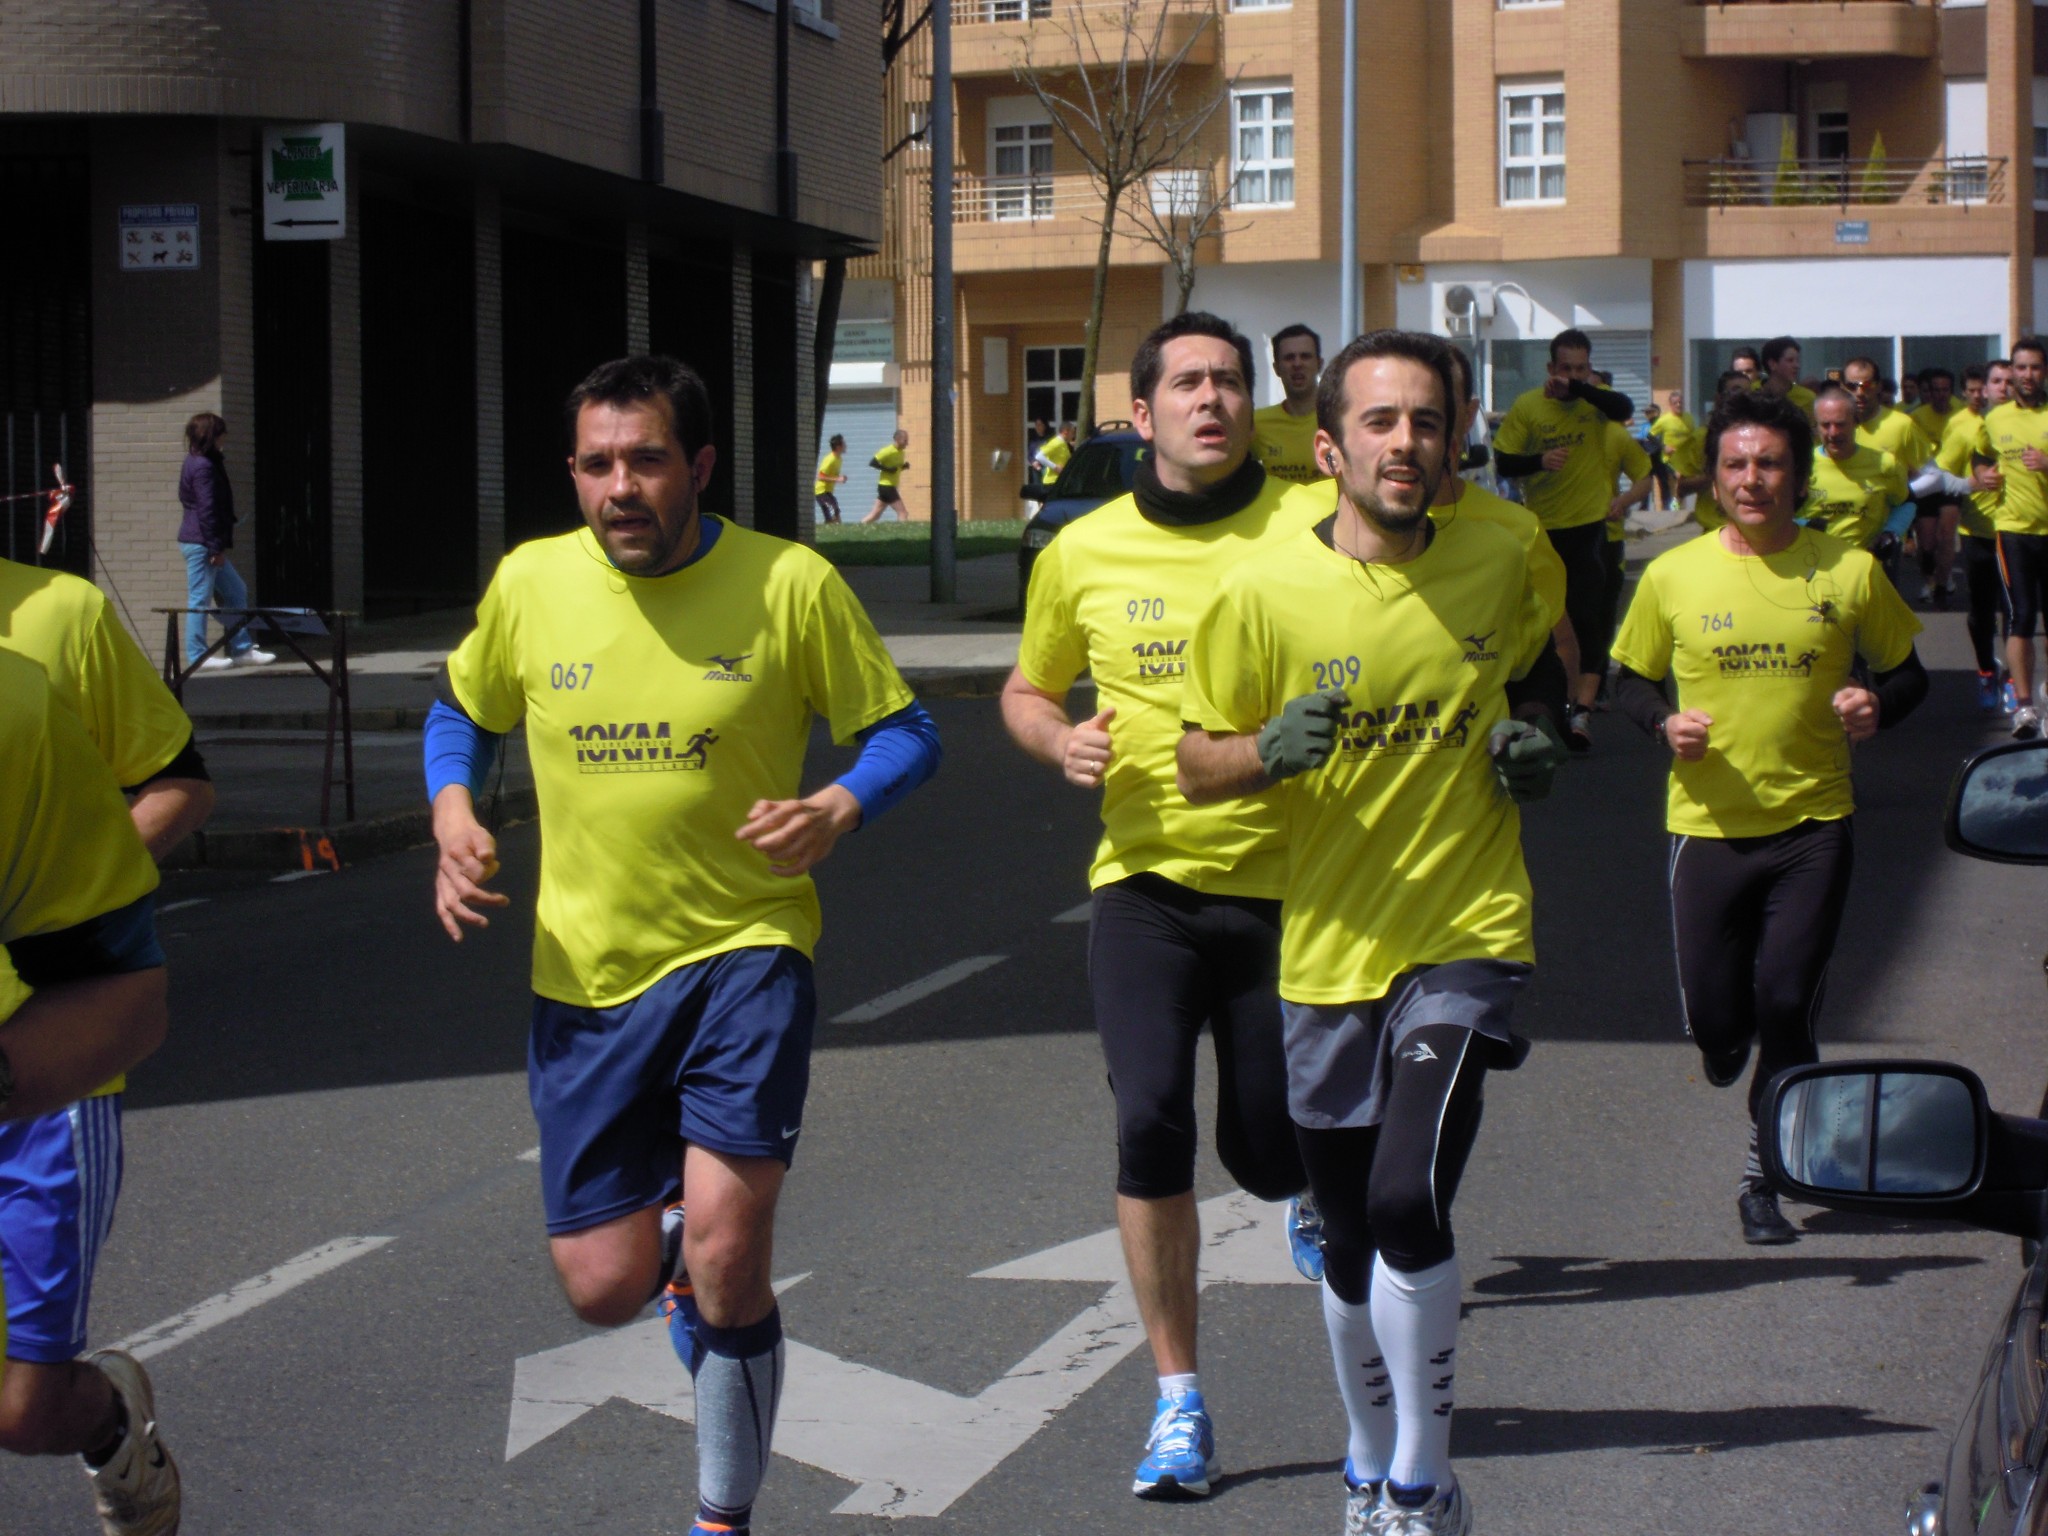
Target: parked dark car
<point>1102,469</point>
<point>1918,1139</point>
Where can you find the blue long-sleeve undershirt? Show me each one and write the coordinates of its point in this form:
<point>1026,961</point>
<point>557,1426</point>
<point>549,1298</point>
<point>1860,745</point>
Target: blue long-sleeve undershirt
<point>897,754</point>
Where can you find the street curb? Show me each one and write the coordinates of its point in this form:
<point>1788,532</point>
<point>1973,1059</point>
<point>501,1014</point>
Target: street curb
<point>326,848</point>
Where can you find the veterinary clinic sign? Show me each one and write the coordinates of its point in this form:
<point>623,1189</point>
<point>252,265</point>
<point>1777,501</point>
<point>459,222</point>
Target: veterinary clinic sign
<point>304,170</point>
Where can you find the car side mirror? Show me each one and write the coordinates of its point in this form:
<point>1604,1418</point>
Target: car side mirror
<point>1037,490</point>
<point>1897,1136</point>
<point>1998,804</point>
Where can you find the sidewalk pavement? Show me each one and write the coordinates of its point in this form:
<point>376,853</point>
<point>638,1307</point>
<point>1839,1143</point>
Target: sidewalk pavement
<point>263,729</point>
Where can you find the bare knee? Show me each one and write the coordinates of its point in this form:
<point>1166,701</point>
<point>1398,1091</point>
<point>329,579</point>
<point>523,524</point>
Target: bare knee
<point>607,1273</point>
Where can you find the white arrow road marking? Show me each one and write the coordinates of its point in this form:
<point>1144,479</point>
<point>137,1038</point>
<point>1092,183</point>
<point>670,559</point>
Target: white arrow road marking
<point>179,906</point>
<point>918,990</point>
<point>912,1448</point>
<point>248,1296</point>
<point>1078,914</point>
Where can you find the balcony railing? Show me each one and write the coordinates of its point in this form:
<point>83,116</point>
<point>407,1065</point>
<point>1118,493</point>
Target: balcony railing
<point>1841,183</point>
<point>1023,199</point>
<point>967,13</point>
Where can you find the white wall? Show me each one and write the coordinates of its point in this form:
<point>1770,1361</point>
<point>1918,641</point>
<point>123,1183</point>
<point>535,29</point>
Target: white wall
<point>1847,296</point>
<point>1261,298</point>
<point>1593,294</point>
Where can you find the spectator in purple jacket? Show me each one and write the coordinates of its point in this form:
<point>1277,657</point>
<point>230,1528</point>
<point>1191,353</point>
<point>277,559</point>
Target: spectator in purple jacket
<point>206,535</point>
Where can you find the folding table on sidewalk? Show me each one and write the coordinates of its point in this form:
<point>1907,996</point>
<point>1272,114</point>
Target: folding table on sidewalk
<point>284,626</point>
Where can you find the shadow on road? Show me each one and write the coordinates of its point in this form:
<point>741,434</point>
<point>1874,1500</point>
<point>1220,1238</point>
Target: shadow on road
<point>1556,1281</point>
<point>1479,1432</point>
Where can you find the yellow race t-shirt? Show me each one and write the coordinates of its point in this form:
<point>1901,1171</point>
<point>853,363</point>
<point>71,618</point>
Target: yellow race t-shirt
<point>1628,462</point>
<point>828,468</point>
<point>1580,492</point>
<point>1685,445</point>
<point>1933,424</point>
<point>658,709</point>
<point>1762,643</point>
<point>1546,570</point>
<point>1892,431</point>
<point>1286,444</point>
<point>1957,446</point>
<point>1117,595</point>
<point>1403,848</point>
<point>2008,431</point>
<point>1856,494</point>
<point>1055,451</point>
<point>67,628</point>
<point>890,461</point>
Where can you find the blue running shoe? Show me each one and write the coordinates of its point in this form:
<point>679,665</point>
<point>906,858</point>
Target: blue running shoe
<point>678,1302</point>
<point>1990,697</point>
<point>2010,698</point>
<point>1180,1455</point>
<point>1305,1236</point>
<point>705,1527</point>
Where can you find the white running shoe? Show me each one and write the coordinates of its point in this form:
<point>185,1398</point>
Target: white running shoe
<point>137,1493</point>
<point>254,658</point>
<point>215,664</point>
<point>1446,1514</point>
<point>2026,724</point>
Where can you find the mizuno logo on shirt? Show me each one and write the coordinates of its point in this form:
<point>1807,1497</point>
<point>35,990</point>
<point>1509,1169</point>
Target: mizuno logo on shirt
<point>726,669</point>
<point>1475,647</point>
<point>1419,1051</point>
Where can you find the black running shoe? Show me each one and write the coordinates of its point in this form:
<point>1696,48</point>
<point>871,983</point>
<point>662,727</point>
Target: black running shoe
<point>1762,1222</point>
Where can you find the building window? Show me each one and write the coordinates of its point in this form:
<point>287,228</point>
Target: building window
<point>1020,165</point>
<point>1532,142</point>
<point>1261,5</point>
<point>1263,117</point>
<point>2041,141</point>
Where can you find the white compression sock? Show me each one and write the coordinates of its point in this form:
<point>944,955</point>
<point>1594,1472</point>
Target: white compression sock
<point>1171,1387</point>
<point>1362,1381</point>
<point>1416,1320</point>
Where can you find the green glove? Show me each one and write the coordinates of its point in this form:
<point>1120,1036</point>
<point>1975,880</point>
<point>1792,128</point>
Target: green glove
<point>1526,755</point>
<point>1303,734</point>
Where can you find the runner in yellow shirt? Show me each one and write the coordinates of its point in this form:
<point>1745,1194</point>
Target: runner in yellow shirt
<point>1053,453</point>
<point>890,461</point>
<point>2012,445</point>
<point>1554,439</point>
<point>1185,923</point>
<point>1632,475</point>
<point>1984,385</point>
<point>1937,510</point>
<point>1286,433</point>
<point>1882,426</point>
<point>1852,489</point>
<point>828,476</point>
<point>1378,674</point>
<point>1759,625</point>
<point>1781,358</point>
<point>64,1168</point>
<point>1683,445</point>
<point>667,666</point>
<point>77,917</point>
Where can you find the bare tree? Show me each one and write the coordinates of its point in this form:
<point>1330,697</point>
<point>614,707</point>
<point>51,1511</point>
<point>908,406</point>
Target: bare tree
<point>1126,112</point>
<point>1182,207</point>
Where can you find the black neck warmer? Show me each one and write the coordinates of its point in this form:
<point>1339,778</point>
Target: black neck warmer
<point>1183,509</point>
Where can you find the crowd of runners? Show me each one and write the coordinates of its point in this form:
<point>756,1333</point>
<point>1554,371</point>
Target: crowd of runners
<point>1329,666</point>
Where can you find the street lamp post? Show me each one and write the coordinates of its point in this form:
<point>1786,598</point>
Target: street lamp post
<point>943,510</point>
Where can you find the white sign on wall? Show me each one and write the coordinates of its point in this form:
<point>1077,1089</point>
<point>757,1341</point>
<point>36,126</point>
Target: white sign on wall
<point>305,182</point>
<point>159,237</point>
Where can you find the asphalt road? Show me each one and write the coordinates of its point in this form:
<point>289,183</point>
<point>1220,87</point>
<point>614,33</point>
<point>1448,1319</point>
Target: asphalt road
<point>339,1074</point>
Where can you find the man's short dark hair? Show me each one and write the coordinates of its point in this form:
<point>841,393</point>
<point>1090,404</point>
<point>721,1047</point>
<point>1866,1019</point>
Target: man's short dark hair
<point>1741,352</point>
<point>1976,373</point>
<point>1730,376</point>
<point>1754,408</point>
<point>631,380</point>
<point>1433,352</point>
<point>835,441</point>
<point>2033,344</point>
<point>1570,337</point>
<point>1288,333</point>
<point>1776,348</point>
<point>1997,362</point>
<point>1468,385</point>
<point>1863,362</point>
<point>1148,363</point>
<point>1927,376</point>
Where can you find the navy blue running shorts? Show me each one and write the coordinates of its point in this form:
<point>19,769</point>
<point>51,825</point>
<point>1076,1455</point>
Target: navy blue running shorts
<point>717,1054</point>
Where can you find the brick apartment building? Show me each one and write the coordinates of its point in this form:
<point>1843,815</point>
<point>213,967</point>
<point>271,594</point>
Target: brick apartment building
<point>1675,177</point>
<point>532,187</point>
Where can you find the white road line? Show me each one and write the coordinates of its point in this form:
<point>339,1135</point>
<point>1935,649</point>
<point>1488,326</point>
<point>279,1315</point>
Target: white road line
<point>248,1296</point>
<point>530,1155</point>
<point>1078,914</point>
<point>179,906</point>
<point>918,990</point>
<point>298,874</point>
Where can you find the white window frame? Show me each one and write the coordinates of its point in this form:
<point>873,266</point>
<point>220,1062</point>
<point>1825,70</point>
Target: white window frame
<point>1537,161</point>
<point>1268,93</point>
<point>1026,195</point>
